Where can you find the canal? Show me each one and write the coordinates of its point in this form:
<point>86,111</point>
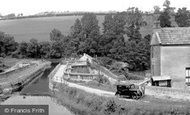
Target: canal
<point>37,93</point>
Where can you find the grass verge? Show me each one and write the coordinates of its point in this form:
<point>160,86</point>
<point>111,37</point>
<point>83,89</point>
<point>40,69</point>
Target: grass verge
<point>83,103</point>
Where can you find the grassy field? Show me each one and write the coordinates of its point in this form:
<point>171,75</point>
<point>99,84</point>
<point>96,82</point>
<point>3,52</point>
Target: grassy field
<point>39,28</point>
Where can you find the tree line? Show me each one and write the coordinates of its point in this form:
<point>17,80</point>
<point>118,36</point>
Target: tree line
<point>120,38</point>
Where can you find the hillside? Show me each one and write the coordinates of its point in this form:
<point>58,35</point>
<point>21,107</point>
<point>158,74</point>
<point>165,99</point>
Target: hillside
<point>39,28</point>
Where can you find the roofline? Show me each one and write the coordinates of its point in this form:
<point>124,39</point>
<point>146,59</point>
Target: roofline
<point>157,35</point>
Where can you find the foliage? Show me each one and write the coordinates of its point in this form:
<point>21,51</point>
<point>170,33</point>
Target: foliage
<point>7,44</point>
<point>90,32</point>
<point>138,54</point>
<point>134,22</point>
<point>165,19</point>
<point>55,35</point>
<point>182,17</point>
<point>156,9</point>
<point>105,61</point>
<point>110,107</point>
<point>165,16</point>
<point>102,80</point>
<point>85,37</point>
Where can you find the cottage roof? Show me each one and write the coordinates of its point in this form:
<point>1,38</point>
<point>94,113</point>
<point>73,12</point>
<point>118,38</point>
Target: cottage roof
<point>171,36</point>
<point>86,57</point>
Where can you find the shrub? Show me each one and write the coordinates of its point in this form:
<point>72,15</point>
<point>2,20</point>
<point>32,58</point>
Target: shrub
<point>80,98</point>
<point>71,92</point>
<point>102,80</point>
<point>131,76</point>
<point>96,103</point>
<point>105,61</point>
<point>110,107</point>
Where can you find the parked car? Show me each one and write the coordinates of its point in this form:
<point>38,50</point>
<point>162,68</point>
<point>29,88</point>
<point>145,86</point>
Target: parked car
<point>130,91</point>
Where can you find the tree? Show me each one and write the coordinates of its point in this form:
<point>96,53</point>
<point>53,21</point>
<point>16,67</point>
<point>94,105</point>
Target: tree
<point>165,16</point>
<point>90,34</point>
<point>108,23</point>
<point>112,39</point>
<point>134,21</point>
<point>57,49</point>
<point>156,9</point>
<point>44,49</point>
<point>76,29</point>
<point>7,44</point>
<point>137,55</point>
<point>76,35</point>
<point>55,35</point>
<point>165,19</point>
<point>182,17</point>
<point>32,48</point>
<point>90,26</point>
<point>23,48</point>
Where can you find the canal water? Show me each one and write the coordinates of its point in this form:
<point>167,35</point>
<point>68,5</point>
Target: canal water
<point>37,94</point>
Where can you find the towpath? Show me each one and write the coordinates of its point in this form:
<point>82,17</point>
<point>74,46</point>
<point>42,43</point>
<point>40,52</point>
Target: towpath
<point>58,77</point>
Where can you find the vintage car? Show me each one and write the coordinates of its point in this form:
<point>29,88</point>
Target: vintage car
<point>130,91</point>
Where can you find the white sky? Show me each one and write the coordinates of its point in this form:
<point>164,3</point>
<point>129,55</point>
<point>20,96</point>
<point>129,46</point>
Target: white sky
<point>28,7</point>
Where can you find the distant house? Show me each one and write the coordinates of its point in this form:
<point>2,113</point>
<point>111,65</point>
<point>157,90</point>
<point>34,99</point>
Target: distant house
<point>170,55</point>
<point>87,68</point>
<point>82,69</point>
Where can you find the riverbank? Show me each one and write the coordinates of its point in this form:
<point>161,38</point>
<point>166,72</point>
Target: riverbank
<point>16,79</point>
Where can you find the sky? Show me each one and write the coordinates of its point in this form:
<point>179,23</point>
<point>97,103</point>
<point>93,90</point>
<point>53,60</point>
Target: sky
<point>29,7</point>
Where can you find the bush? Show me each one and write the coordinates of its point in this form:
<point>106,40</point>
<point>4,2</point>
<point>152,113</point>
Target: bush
<point>94,102</point>
<point>102,80</point>
<point>80,98</point>
<point>131,76</point>
<point>110,107</point>
<point>105,61</point>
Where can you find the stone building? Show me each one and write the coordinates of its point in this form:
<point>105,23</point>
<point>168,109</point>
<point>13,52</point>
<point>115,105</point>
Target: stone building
<point>82,69</point>
<point>170,55</point>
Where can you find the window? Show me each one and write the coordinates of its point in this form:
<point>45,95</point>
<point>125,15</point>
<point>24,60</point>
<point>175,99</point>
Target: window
<point>187,74</point>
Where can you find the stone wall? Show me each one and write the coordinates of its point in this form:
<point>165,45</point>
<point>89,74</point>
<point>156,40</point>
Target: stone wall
<point>155,60</point>
<point>174,60</point>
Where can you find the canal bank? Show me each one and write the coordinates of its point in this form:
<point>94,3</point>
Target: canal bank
<point>16,79</point>
<point>37,93</point>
